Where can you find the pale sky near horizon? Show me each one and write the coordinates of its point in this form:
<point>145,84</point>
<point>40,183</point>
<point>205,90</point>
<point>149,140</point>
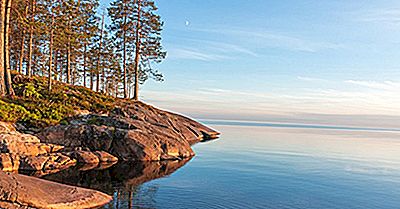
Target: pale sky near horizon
<point>308,61</point>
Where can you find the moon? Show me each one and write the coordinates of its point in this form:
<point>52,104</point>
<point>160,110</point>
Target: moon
<point>187,23</point>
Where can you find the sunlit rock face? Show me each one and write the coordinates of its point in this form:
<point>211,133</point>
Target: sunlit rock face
<point>135,131</point>
<point>25,152</point>
<point>18,191</point>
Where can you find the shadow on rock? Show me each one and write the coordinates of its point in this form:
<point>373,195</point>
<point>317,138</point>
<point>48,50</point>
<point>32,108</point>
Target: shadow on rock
<point>124,175</point>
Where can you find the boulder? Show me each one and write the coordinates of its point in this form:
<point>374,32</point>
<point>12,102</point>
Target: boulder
<point>18,191</point>
<point>105,157</point>
<point>8,137</point>
<point>9,162</point>
<point>53,161</point>
<point>28,149</point>
<point>85,157</point>
<point>6,127</point>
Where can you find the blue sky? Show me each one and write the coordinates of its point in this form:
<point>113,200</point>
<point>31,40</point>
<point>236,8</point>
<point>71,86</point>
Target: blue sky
<point>309,61</point>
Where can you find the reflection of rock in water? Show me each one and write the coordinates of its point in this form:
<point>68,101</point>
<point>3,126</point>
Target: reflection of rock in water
<point>125,176</point>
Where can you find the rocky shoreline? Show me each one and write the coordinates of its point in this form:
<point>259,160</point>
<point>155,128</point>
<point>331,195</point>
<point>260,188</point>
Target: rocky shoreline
<point>133,131</point>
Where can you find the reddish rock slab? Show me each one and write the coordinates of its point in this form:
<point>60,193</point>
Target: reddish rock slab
<point>18,191</point>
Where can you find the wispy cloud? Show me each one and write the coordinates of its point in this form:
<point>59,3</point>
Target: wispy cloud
<point>310,79</point>
<point>193,54</point>
<point>264,38</point>
<point>227,43</point>
<point>388,16</point>
<point>383,85</point>
<point>222,47</point>
<point>207,50</point>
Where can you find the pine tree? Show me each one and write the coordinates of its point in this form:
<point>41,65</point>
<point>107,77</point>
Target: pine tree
<point>137,28</point>
<point>121,13</point>
<point>89,30</point>
<point>148,44</point>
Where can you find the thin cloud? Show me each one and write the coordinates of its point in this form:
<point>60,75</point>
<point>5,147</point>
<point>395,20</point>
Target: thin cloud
<point>226,48</point>
<point>266,39</point>
<point>388,16</point>
<point>310,79</point>
<point>193,54</point>
<point>383,85</point>
<point>207,50</point>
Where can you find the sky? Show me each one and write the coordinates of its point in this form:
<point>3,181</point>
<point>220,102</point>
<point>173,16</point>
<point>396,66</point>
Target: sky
<point>305,61</point>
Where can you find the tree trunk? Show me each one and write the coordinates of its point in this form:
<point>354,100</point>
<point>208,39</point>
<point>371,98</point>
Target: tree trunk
<point>55,69</point>
<point>116,91</point>
<point>30,44</point>
<point>69,62</point>
<point>124,59</point>
<point>2,71</point>
<point>7,68</point>
<point>137,53</point>
<point>22,50</point>
<point>91,79</point>
<point>22,53</point>
<point>84,64</point>
<point>51,53</point>
<point>99,56</point>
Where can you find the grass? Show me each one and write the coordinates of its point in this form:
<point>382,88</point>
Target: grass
<point>35,106</point>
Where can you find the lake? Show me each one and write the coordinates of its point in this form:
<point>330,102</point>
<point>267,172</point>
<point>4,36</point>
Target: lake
<point>260,165</point>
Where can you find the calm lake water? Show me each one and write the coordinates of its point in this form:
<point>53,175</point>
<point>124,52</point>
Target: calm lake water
<point>263,166</point>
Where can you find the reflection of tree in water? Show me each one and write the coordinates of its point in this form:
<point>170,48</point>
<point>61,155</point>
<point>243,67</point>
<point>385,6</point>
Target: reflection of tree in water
<point>135,197</point>
<point>124,181</point>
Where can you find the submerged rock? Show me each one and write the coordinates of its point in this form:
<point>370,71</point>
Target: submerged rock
<point>135,132</point>
<point>18,191</point>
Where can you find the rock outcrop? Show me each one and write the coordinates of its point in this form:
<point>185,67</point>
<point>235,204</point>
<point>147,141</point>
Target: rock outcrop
<point>134,132</point>
<point>25,152</point>
<point>18,191</point>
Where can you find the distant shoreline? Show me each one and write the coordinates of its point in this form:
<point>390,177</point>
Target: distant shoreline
<point>294,125</point>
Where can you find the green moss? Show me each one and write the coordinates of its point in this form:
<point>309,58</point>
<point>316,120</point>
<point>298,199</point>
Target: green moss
<point>12,112</point>
<point>35,106</point>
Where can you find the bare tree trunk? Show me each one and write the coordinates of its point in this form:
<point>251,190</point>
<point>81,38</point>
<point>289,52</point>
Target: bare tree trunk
<point>2,71</point>
<point>124,59</point>
<point>116,91</point>
<point>137,53</point>
<point>99,55</point>
<point>51,52</point>
<point>84,64</point>
<point>30,45</point>
<point>69,62</point>
<point>7,68</point>
<point>22,50</point>
<point>56,63</point>
<point>91,79</point>
<point>22,53</point>
<point>103,80</point>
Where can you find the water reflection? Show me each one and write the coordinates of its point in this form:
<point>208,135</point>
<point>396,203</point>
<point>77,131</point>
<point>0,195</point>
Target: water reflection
<point>122,180</point>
